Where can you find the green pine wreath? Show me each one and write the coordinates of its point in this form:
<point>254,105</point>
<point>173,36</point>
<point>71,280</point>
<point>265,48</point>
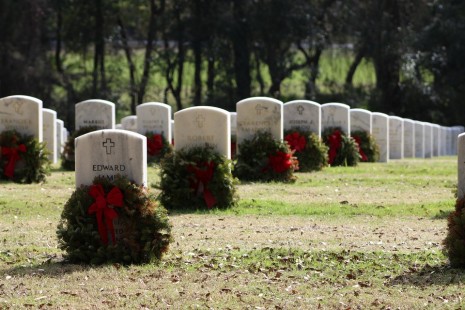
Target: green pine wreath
<point>197,178</point>
<point>67,157</point>
<point>308,148</point>
<point>454,243</point>
<point>23,159</point>
<point>265,159</point>
<point>157,147</point>
<point>369,150</point>
<point>343,150</point>
<point>144,239</point>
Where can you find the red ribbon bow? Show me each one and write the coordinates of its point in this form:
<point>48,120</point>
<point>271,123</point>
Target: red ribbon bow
<point>203,175</point>
<point>154,145</point>
<point>359,142</point>
<point>296,141</point>
<point>13,156</point>
<point>103,209</point>
<point>335,140</point>
<point>280,162</point>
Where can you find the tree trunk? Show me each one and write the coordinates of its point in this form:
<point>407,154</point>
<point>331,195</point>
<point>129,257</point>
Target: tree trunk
<point>132,67</point>
<point>197,48</point>
<point>353,66</point>
<point>241,51</point>
<point>99,52</point>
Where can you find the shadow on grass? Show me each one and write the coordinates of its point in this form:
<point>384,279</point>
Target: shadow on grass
<point>53,268</point>
<point>430,275</point>
<point>442,215</point>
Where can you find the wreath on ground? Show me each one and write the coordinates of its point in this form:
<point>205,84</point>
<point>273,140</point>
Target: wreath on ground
<point>266,159</point>
<point>308,148</point>
<point>157,147</point>
<point>368,149</point>
<point>197,178</point>
<point>88,233</point>
<point>23,159</point>
<point>67,157</point>
<point>343,150</point>
<point>454,244</point>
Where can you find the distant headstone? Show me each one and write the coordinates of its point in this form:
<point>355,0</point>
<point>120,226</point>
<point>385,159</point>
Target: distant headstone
<point>233,123</point>
<point>456,131</point>
<point>259,114</point>
<point>154,117</point>
<point>96,113</point>
<point>396,137</point>
<point>409,138</point>
<point>111,152</point>
<point>380,131</point>
<point>198,126</point>
<point>335,115</point>
<point>443,133</point>
<point>23,114</point>
<point>419,139</point>
<point>436,139</point>
<point>61,140</point>
<point>50,133</point>
<point>129,123</point>
<point>449,138</point>
<point>461,166</point>
<point>360,120</point>
<point>304,115</point>
<point>428,140</point>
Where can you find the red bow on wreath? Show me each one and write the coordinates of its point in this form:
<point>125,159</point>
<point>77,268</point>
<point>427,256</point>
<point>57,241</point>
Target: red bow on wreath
<point>359,142</point>
<point>12,153</point>
<point>203,175</point>
<point>296,141</point>
<point>335,141</point>
<point>103,209</point>
<point>280,162</point>
<point>154,145</point>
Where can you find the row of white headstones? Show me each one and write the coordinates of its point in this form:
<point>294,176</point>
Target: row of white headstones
<point>111,151</point>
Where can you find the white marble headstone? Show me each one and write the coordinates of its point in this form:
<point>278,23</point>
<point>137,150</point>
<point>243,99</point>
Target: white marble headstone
<point>409,138</point>
<point>456,131</point>
<point>129,123</point>
<point>449,138</point>
<point>302,114</point>
<point>23,114</point>
<point>436,139</point>
<point>396,137</point>
<point>50,133</point>
<point>443,133</point>
<point>428,140</point>
<point>96,113</point>
<point>419,139</point>
<point>154,117</point>
<point>60,137</point>
<point>380,131</point>
<point>198,126</point>
<point>233,123</point>
<point>259,114</point>
<point>335,115</point>
<point>360,120</point>
<point>110,152</point>
<point>461,166</point>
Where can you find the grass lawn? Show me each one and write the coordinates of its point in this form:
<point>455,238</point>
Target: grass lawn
<point>346,237</point>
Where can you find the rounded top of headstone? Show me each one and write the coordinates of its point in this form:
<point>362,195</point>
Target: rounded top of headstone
<point>358,110</point>
<point>338,104</point>
<point>408,120</point>
<point>259,99</point>
<point>379,114</point>
<point>50,111</point>
<point>22,97</point>
<point>302,102</point>
<point>396,118</point>
<point>201,108</point>
<point>89,101</point>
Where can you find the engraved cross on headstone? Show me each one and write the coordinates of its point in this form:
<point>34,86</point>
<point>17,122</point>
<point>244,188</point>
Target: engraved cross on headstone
<point>200,119</point>
<point>259,108</point>
<point>300,109</point>
<point>108,144</point>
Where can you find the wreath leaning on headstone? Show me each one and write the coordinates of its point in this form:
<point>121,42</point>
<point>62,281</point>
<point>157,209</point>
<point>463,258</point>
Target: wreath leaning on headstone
<point>67,157</point>
<point>309,149</point>
<point>86,231</point>
<point>23,159</point>
<point>343,150</point>
<point>454,244</point>
<point>368,149</point>
<point>157,147</point>
<point>197,178</point>
<point>266,159</point>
